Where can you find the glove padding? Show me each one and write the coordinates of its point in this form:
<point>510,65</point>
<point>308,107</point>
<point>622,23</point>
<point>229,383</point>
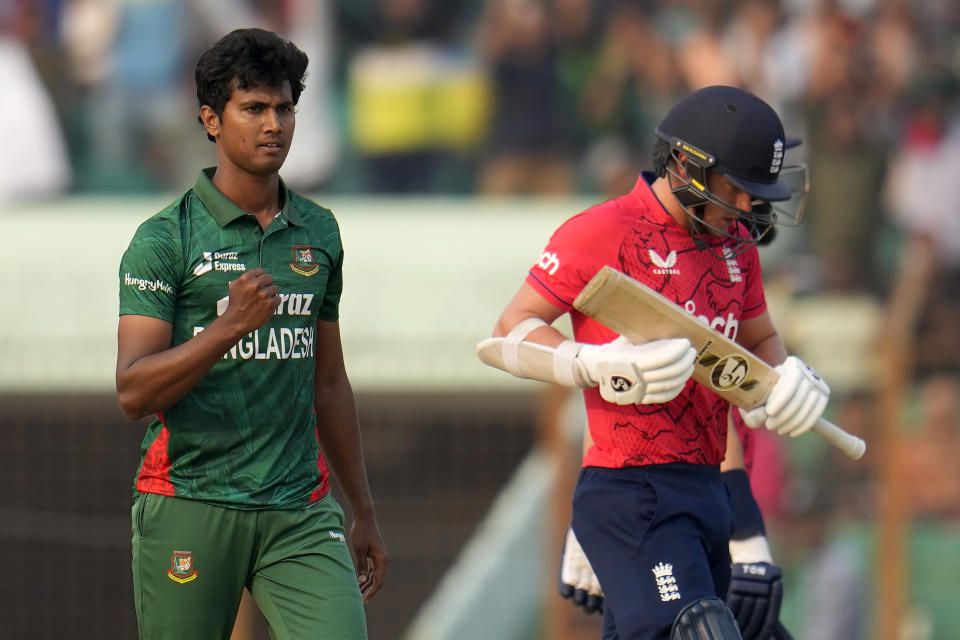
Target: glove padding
<point>754,597</point>
<point>650,373</point>
<point>578,582</point>
<point>795,403</point>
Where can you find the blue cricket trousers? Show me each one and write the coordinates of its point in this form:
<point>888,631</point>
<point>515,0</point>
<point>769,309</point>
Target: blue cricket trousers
<point>657,537</point>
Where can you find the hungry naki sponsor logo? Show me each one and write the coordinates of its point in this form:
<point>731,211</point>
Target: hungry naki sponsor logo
<point>143,284</point>
<point>227,261</point>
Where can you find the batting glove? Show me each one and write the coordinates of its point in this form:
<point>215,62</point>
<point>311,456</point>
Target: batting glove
<point>795,403</point>
<point>650,373</point>
<point>578,582</point>
<point>754,597</point>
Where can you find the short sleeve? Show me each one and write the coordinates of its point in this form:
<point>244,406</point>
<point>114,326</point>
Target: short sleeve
<point>577,250</point>
<point>149,271</point>
<point>754,300</point>
<point>330,306</point>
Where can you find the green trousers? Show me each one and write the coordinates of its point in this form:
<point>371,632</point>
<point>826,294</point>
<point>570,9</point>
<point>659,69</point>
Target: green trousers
<point>191,562</point>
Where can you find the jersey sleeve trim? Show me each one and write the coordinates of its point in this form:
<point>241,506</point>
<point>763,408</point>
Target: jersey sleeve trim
<point>549,295</point>
<point>753,312</point>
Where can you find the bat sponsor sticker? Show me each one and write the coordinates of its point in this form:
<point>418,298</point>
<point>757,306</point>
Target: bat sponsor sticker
<point>729,372</point>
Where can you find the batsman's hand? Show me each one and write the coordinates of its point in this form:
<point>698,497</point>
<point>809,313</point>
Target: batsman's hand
<point>650,373</point>
<point>252,301</point>
<point>578,583</point>
<point>754,597</point>
<point>795,403</point>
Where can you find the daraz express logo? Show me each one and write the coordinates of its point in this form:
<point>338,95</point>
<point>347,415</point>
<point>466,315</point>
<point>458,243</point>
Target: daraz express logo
<point>291,304</point>
<point>227,261</point>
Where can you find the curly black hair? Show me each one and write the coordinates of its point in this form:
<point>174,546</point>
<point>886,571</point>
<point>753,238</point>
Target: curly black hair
<point>247,58</point>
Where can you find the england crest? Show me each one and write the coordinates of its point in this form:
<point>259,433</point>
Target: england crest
<point>304,261</point>
<point>182,568</point>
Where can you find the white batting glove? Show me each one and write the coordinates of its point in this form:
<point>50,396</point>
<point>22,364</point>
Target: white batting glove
<point>795,403</point>
<point>650,373</point>
<point>578,582</point>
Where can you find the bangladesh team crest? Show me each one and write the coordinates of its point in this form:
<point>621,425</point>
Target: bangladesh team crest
<point>182,568</point>
<point>304,262</point>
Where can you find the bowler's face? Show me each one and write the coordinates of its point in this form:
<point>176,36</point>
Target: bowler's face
<point>256,128</point>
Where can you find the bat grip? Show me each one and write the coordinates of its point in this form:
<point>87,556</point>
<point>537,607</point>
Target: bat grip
<point>850,444</point>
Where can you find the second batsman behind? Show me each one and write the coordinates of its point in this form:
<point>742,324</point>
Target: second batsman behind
<point>650,508</point>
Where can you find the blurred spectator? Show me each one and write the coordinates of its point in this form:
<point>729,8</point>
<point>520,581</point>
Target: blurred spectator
<point>529,149</point>
<point>749,42</point>
<point>633,82</point>
<point>415,99</point>
<point>505,96</point>
<point>702,60</point>
<point>832,589</point>
<point>846,148</point>
<point>923,193</point>
<point>834,585</point>
<point>33,157</point>
<point>316,151</point>
<point>134,115</point>
<point>769,473</point>
<point>931,455</point>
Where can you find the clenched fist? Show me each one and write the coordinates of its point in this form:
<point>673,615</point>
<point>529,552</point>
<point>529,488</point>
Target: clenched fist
<point>252,301</point>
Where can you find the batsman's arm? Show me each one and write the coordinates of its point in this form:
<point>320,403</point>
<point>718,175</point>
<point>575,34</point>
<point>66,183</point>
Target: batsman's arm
<point>527,303</point>
<point>759,336</point>
<point>525,345</point>
<point>338,430</point>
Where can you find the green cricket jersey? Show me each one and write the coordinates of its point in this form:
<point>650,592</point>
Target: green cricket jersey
<point>245,436</point>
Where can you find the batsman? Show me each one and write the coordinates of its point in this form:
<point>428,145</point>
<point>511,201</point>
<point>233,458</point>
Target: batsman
<point>662,508</point>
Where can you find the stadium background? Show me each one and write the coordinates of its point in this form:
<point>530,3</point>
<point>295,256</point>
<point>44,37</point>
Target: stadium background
<point>450,138</point>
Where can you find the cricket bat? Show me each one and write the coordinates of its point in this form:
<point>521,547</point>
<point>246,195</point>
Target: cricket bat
<point>639,313</point>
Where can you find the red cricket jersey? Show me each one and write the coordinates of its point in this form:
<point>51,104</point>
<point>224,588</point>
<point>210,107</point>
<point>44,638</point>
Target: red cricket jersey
<point>634,234</point>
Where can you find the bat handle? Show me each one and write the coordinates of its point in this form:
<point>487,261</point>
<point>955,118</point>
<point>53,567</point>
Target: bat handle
<point>847,442</point>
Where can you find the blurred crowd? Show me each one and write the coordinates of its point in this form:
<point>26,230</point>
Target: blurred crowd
<point>552,97</point>
<point>506,97</point>
<point>528,97</point>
